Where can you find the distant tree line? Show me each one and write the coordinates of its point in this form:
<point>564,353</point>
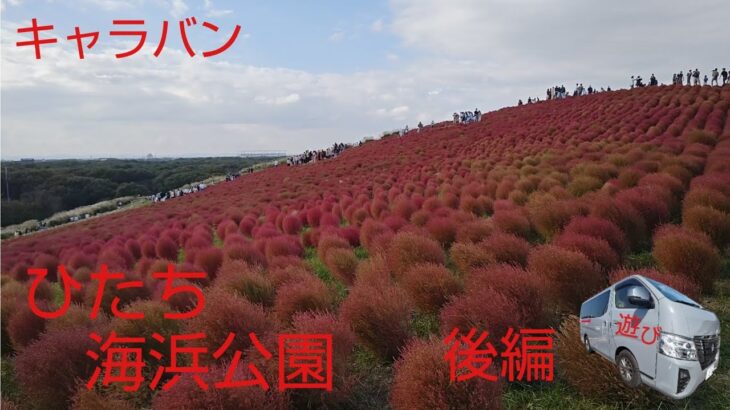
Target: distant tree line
<point>38,189</point>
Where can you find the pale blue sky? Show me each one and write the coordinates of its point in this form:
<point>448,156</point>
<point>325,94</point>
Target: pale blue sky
<point>304,74</point>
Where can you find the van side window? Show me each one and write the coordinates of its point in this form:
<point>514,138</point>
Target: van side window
<point>622,300</point>
<point>595,307</point>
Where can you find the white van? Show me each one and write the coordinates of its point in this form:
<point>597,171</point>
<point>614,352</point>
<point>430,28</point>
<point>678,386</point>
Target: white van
<point>654,334</point>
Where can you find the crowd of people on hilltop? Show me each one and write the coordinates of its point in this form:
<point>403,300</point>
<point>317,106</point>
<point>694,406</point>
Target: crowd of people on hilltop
<point>559,92</point>
<point>176,193</point>
<point>317,155</point>
<point>691,77</point>
<point>694,77</point>
<point>639,82</point>
<point>467,117</point>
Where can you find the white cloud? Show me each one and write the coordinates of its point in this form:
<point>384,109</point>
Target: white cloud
<point>535,38</point>
<point>13,3</point>
<point>281,100</point>
<point>175,105</point>
<point>402,109</point>
<point>177,8</point>
<point>114,5</point>
<point>211,11</point>
<point>337,36</point>
<point>377,25</point>
<point>456,55</point>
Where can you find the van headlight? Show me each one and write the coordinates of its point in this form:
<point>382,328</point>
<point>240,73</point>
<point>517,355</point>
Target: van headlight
<point>677,347</point>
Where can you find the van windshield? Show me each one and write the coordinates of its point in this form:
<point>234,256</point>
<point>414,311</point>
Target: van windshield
<point>672,294</point>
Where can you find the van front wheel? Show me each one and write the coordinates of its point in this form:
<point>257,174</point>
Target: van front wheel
<point>628,369</point>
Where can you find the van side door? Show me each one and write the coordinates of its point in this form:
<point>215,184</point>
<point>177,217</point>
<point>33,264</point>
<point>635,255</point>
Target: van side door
<point>635,326</point>
<point>601,323</point>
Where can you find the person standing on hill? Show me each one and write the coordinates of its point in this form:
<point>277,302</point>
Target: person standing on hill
<point>705,80</point>
<point>715,74</point>
<point>724,76</point>
<point>689,77</point>
<point>696,76</point>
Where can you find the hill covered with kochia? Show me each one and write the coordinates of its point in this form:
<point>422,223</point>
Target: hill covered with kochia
<point>509,222</point>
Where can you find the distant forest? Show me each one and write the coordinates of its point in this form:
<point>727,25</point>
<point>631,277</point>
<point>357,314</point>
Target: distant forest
<point>38,189</point>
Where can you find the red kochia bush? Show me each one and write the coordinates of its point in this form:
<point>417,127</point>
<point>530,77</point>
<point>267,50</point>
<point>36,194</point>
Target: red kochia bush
<point>408,249</point>
<point>187,394</point>
<point>651,202</point>
<point>599,228</point>
<point>571,275</point>
<point>328,242</point>
<point>404,207</point>
<point>707,197</point>
<point>80,259</point>
<point>710,221</point>
<point>343,338</point>
<point>443,229</point>
<point>689,253</point>
<point>468,256</point>
<point>209,260</point>
<point>24,326</point>
<point>49,262</point>
<point>370,230</point>
<point>226,312</point>
<point>292,224</point>
<point>373,271</point>
<point>246,226</point>
<point>422,377</point>
<point>85,399</point>
<point>625,216</point>
<point>246,281</point>
<point>549,218</point>
<point>19,271</point>
<point>527,289</point>
<point>506,248</point>
<point>283,246</point>
<point>166,249</point>
<point>351,234</point>
<point>49,370</point>
<point>511,221</point>
<point>596,249</point>
<point>681,283</point>
<point>246,253</point>
<point>329,219</point>
<point>430,285</point>
<point>482,308</point>
<point>132,246</point>
<point>305,294</point>
<point>152,322</point>
<point>313,216</point>
<point>342,263</point>
<point>380,316</point>
<point>474,231</point>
